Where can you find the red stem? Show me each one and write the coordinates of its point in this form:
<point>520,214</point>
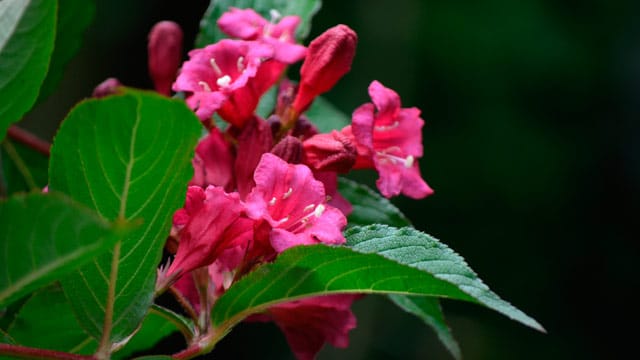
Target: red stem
<point>33,353</point>
<point>29,139</point>
<point>188,353</point>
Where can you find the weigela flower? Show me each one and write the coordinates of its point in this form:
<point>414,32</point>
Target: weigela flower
<point>310,323</point>
<point>246,24</point>
<point>164,54</point>
<point>389,138</point>
<point>209,224</point>
<point>228,77</point>
<point>293,203</point>
<point>329,57</point>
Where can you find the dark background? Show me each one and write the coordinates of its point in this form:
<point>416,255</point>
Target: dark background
<point>532,144</point>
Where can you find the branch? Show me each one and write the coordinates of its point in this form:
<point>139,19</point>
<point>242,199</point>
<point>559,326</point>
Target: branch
<point>33,353</point>
<point>29,139</point>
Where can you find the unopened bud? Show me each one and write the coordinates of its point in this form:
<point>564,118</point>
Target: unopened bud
<point>165,53</point>
<point>108,87</point>
<point>330,152</point>
<point>329,57</point>
<point>289,149</point>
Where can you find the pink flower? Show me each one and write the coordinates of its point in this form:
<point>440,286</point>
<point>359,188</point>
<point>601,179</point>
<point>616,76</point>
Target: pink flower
<point>246,24</point>
<point>228,77</point>
<point>165,54</point>
<point>294,205</point>
<point>329,57</point>
<point>310,323</point>
<point>389,138</point>
<point>208,225</point>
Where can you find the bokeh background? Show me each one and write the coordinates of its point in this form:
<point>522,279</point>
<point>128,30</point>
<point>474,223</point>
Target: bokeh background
<point>532,143</point>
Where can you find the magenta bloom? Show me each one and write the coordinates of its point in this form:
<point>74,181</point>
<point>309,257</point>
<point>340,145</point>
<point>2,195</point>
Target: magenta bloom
<point>310,323</point>
<point>208,225</point>
<point>389,138</point>
<point>228,77</point>
<point>246,24</point>
<point>294,205</point>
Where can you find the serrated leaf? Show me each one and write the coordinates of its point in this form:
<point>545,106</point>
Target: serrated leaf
<point>48,312</point>
<point>63,236</point>
<point>127,157</point>
<point>22,167</point>
<point>369,207</point>
<point>428,310</point>
<point>424,252</point>
<point>387,261</point>
<point>74,16</point>
<point>326,116</point>
<point>27,30</point>
<point>210,33</point>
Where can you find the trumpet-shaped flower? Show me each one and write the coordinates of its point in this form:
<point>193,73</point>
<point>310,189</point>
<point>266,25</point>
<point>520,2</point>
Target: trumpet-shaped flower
<point>389,138</point>
<point>228,77</point>
<point>246,24</point>
<point>294,204</point>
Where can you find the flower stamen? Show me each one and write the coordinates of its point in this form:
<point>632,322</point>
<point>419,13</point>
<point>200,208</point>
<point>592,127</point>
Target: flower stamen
<point>215,66</point>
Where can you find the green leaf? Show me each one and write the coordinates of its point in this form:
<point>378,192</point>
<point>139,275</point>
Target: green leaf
<point>48,312</point>
<point>421,251</point>
<point>428,310</point>
<point>210,33</point>
<point>6,338</point>
<point>326,116</point>
<point>64,236</point>
<point>154,328</point>
<point>369,207</point>
<point>383,260</point>
<point>128,157</point>
<point>27,30</point>
<point>23,168</point>
<point>74,16</point>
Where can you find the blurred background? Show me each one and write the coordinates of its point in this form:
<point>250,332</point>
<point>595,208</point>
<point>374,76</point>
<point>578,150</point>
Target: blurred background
<point>532,144</point>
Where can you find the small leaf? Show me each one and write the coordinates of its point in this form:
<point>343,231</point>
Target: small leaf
<point>74,16</point>
<point>210,33</point>
<point>48,312</point>
<point>428,310</point>
<point>421,251</point>
<point>326,116</point>
<point>408,263</point>
<point>27,30</point>
<point>128,157</point>
<point>64,236</point>
<point>369,207</point>
<point>267,102</point>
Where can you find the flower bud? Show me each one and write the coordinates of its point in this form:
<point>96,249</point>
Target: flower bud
<point>289,149</point>
<point>165,53</point>
<point>329,57</point>
<point>330,152</point>
<point>108,87</point>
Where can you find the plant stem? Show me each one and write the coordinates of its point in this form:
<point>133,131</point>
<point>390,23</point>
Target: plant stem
<point>22,167</point>
<point>33,353</point>
<point>29,139</point>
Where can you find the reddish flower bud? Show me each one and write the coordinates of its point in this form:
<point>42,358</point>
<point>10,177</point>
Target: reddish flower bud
<point>289,149</point>
<point>329,57</point>
<point>330,152</point>
<point>108,87</point>
<point>165,53</point>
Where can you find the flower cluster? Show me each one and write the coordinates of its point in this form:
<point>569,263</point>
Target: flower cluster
<point>261,186</point>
